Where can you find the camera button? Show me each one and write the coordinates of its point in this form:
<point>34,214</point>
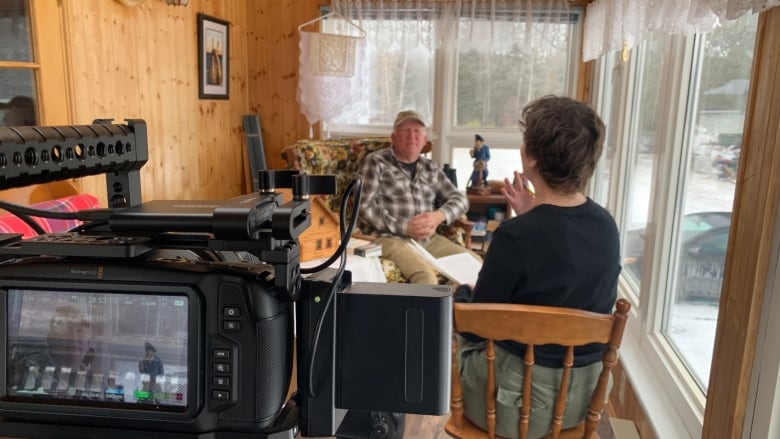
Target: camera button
<point>221,354</point>
<point>220,395</point>
<point>221,368</point>
<point>231,325</point>
<point>231,311</point>
<point>221,381</point>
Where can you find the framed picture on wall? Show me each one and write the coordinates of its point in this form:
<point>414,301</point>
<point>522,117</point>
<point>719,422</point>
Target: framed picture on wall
<point>213,51</point>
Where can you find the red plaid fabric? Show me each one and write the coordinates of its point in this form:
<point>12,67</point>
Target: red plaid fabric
<point>10,223</point>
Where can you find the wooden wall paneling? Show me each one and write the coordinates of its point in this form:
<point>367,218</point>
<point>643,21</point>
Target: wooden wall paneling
<point>750,241</point>
<point>143,64</point>
<point>273,71</point>
<point>222,145</point>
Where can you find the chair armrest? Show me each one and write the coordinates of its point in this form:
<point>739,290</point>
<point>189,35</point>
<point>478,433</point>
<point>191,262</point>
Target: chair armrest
<point>466,225</point>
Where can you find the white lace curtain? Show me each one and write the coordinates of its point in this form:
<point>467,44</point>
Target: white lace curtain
<point>404,37</point>
<point>330,80</point>
<point>612,24</point>
<point>432,22</point>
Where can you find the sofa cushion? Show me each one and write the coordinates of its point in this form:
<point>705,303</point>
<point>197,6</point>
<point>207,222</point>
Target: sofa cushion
<point>10,223</point>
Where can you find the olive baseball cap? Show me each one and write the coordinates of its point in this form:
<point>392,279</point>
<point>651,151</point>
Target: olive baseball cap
<point>403,116</point>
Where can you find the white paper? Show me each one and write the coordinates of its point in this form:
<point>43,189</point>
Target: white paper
<point>460,267</point>
<point>363,269</point>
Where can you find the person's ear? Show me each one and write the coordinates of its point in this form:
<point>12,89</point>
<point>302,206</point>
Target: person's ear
<point>529,162</point>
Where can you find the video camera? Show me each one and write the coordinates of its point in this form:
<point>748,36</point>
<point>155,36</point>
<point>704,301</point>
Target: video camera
<point>186,319</point>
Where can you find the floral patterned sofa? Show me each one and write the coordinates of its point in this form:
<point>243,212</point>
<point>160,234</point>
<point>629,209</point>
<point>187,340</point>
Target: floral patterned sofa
<point>342,158</point>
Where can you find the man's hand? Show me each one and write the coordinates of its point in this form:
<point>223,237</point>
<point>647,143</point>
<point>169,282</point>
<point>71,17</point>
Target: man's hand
<point>424,225</point>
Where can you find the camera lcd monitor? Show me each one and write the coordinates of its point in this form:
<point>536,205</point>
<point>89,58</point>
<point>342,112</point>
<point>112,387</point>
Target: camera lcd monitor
<point>105,349</point>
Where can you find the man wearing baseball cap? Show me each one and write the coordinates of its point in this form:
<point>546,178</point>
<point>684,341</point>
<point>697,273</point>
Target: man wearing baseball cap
<point>406,197</point>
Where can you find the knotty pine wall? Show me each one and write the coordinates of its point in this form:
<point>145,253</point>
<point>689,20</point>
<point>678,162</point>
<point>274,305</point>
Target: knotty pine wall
<point>272,37</point>
<point>141,62</point>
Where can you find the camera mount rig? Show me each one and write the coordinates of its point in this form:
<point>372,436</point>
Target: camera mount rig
<point>260,223</point>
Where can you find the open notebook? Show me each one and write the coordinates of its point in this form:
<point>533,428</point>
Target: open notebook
<point>462,268</point>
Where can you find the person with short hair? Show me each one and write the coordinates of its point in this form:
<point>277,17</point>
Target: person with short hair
<point>562,249</point>
<point>407,196</point>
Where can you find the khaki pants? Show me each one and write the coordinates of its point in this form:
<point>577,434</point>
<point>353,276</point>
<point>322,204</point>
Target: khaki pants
<point>472,365</point>
<point>414,267</point>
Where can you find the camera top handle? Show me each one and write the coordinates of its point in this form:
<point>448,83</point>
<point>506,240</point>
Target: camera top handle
<point>41,154</point>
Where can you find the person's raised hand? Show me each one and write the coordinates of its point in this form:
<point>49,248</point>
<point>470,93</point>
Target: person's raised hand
<point>519,193</point>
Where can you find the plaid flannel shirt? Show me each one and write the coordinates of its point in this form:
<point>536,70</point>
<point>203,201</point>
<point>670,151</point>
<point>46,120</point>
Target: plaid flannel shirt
<point>391,197</point>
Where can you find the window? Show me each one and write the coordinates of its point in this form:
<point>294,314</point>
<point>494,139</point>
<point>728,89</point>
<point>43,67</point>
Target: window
<point>476,82</point>
<point>668,176</point>
<point>17,67</point>
<point>712,143</point>
<point>642,152</point>
<point>503,64</point>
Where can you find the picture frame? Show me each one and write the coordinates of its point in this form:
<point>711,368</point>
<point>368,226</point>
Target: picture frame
<point>213,56</point>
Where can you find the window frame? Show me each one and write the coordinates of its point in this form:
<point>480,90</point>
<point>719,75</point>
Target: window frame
<point>648,358</point>
<point>48,64</point>
<point>50,51</point>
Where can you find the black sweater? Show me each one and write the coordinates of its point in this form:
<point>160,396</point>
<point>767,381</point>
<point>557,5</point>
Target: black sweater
<point>555,256</point>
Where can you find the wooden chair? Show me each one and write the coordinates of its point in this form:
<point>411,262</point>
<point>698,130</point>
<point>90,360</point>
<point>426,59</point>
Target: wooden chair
<point>536,325</point>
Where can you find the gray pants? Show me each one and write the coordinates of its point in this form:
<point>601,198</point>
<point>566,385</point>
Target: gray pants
<point>472,365</point>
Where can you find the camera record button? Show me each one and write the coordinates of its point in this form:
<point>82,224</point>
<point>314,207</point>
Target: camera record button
<point>221,368</point>
<point>220,395</point>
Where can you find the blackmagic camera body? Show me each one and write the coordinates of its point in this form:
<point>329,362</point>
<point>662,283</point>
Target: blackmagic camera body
<point>193,319</point>
<point>207,326</point>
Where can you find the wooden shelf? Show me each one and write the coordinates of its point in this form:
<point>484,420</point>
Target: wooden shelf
<point>481,205</point>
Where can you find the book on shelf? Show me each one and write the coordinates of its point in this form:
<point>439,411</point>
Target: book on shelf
<point>462,268</point>
<point>480,239</point>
